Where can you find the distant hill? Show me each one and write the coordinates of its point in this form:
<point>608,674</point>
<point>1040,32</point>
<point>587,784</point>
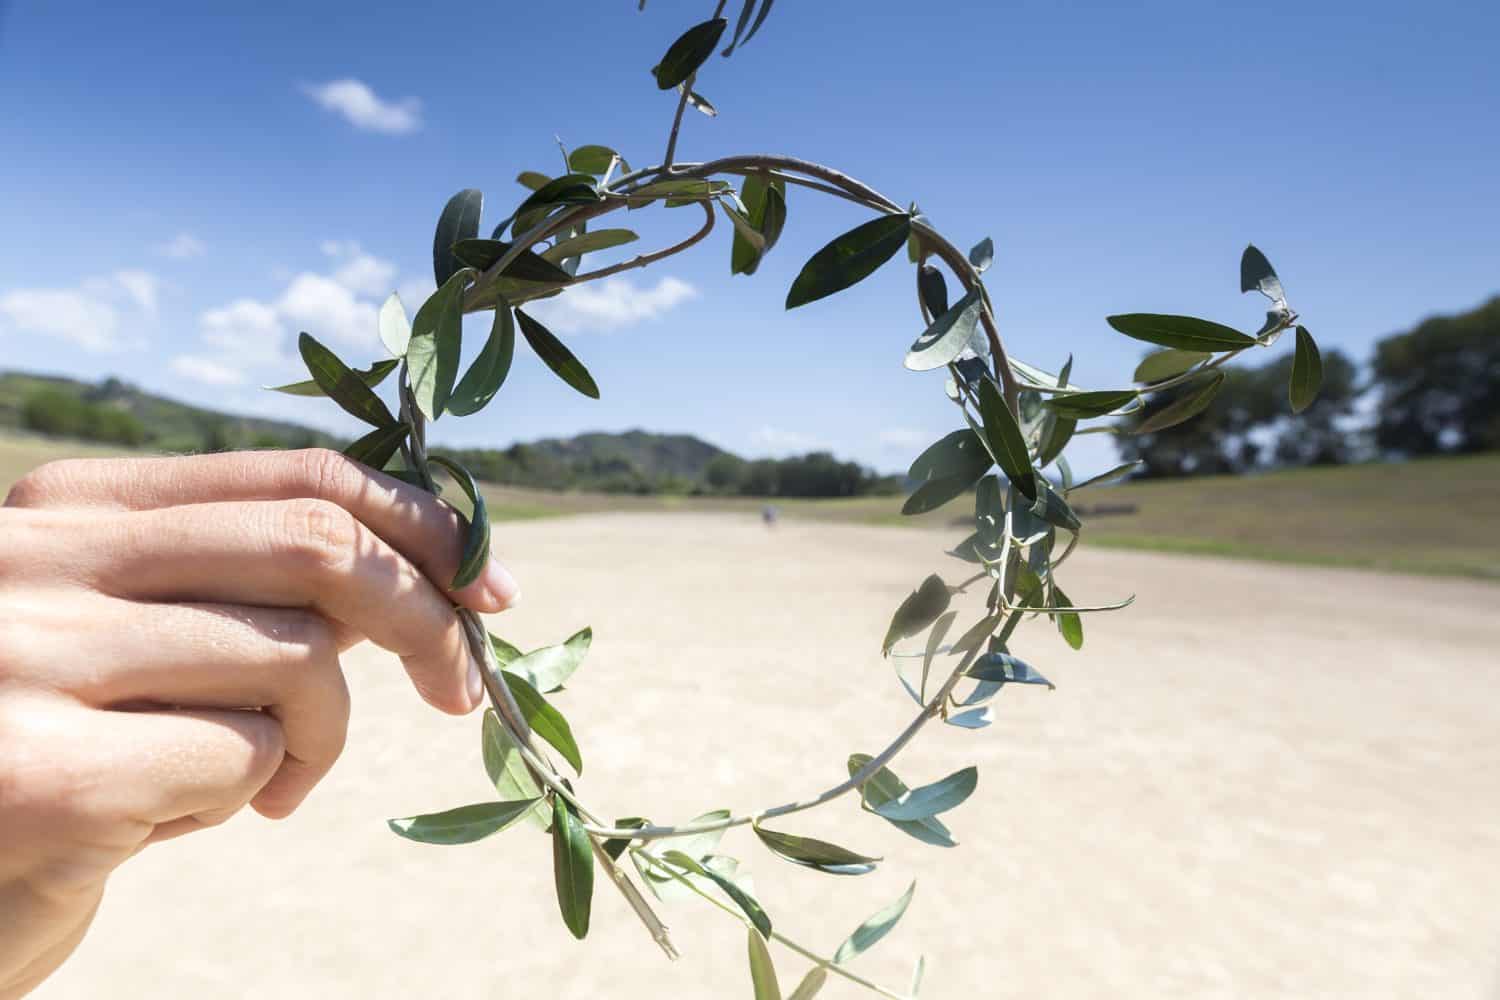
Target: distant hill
<point>635,461</point>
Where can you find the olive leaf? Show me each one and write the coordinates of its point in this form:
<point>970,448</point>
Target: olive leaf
<point>949,334</point>
<point>932,289</point>
<point>527,266</point>
<point>488,371</point>
<point>1186,333</point>
<point>532,180</point>
<point>588,242</point>
<point>476,553</point>
<point>690,51</point>
<point>459,221</point>
<point>572,869</point>
<point>930,800</point>
<point>1002,435</point>
<point>591,159</point>
<point>1069,623</point>
<point>508,772</point>
<point>556,356</point>
<point>1082,405</point>
<point>1257,274</point>
<point>1307,372</point>
<point>762,971</point>
<point>883,788</point>
<point>810,985</point>
<point>1002,668</point>
<point>1167,363</point>
<point>849,259</point>
<point>548,668</point>
<point>463,825</point>
<point>879,924</point>
<point>545,720</point>
<point>921,608</point>
<point>765,216</point>
<point>395,331</point>
<point>742,899</point>
<point>816,854</point>
<point>379,446</point>
<point>436,340</point>
<point>342,384</point>
<point>1185,408</point>
<point>983,255</point>
<point>371,376</point>
<point>946,469</point>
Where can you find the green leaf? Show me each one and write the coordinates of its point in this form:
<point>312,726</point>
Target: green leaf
<point>1003,438</point>
<point>948,335</point>
<point>690,51</point>
<point>1307,372</point>
<point>545,720</point>
<point>1165,364</point>
<point>1082,405</point>
<point>549,667</point>
<point>921,608</point>
<point>946,469</point>
<point>577,246</point>
<point>1118,472</point>
<point>528,266</point>
<point>686,187</point>
<point>742,899</point>
<point>1002,668</point>
<point>532,179</point>
<point>436,339</point>
<point>341,384</point>
<point>1069,623</point>
<point>882,788</point>
<point>930,800</point>
<point>557,357</point>
<point>572,869</point>
<point>476,553</point>
<point>849,259</point>
<point>1186,333</point>
<point>372,376</point>
<point>395,331</point>
<point>698,846</point>
<point>739,27</point>
<point>916,975</point>
<point>591,159</point>
<point>1052,508</point>
<point>459,221</point>
<point>569,189</point>
<point>1256,273</point>
<point>505,653</point>
<point>508,772</point>
<point>1057,432</point>
<point>811,984</point>
<point>765,205</point>
<point>983,255</point>
<point>488,371</point>
<point>376,448</point>
<point>463,825</point>
<point>760,19</point>
<point>934,640</point>
<point>1185,408</point>
<point>616,846</point>
<point>817,854</point>
<point>869,933</point>
<point>933,290</point>
<point>762,972</point>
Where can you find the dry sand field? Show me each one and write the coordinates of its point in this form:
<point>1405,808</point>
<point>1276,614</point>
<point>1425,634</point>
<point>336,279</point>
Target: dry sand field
<point>1259,781</point>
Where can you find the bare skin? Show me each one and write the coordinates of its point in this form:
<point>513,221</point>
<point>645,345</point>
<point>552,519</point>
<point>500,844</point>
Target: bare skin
<point>170,633</point>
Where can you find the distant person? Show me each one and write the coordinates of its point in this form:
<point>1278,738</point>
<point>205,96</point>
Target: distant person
<point>768,515</point>
<point>145,605</point>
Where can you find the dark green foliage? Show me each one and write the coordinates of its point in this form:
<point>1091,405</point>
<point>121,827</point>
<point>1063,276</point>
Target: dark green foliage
<point>1439,384</point>
<point>61,414</point>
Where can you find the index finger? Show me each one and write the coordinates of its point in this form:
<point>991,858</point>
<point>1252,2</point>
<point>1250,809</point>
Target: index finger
<point>413,522</point>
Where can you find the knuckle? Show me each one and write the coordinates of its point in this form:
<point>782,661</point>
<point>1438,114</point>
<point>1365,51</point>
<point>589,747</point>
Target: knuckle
<point>304,639</point>
<point>267,747</point>
<point>41,483</point>
<point>326,474</point>
<point>322,533</point>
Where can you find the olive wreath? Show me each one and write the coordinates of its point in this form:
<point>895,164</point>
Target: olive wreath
<point>1016,419</point>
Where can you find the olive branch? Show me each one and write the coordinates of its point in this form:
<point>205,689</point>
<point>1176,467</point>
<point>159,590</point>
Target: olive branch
<point>1016,419</point>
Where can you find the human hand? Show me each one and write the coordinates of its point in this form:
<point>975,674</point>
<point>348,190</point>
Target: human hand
<point>145,605</point>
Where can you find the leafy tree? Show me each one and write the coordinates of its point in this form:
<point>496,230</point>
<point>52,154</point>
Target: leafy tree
<point>1440,384</point>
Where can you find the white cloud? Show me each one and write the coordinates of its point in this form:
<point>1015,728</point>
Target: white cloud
<point>245,332</point>
<point>780,441</point>
<point>72,316</point>
<point>611,304</point>
<point>205,370</point>
<point>327,309</point>
<point>182,247</point>
<point>141,287</point>
<point>360,272</point>
<point>363,107</point>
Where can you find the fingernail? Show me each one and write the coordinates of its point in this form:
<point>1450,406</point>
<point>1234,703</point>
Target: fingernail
<point>501,586</point>
<point>476,685</point>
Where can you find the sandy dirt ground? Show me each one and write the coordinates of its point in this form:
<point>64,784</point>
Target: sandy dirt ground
<point>1260,781</point>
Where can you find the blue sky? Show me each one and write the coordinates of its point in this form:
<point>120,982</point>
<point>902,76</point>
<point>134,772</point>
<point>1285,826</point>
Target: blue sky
<point>177,203</point>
